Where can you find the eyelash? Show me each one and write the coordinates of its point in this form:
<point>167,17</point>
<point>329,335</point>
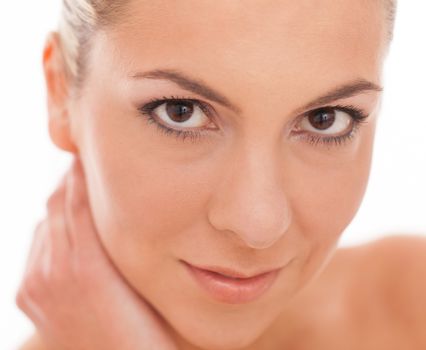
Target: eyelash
<point>194,136</point>
<point>358,117</point>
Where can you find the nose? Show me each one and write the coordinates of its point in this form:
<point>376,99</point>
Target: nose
<point>250,201</point>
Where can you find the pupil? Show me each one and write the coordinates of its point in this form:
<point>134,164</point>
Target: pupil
<point>322,120</point>
<point>179,111</point>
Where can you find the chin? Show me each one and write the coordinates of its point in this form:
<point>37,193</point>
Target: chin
<point>201,333</point>
<point>225,340</point>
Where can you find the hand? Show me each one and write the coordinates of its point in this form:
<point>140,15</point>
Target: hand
<point>73,293</point>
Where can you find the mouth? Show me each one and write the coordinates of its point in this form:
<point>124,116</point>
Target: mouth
<point>230,286</point>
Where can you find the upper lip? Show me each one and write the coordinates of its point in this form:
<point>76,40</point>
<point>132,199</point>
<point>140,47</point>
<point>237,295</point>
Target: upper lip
<point>229,272</point>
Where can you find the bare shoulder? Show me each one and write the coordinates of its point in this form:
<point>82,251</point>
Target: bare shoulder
<point>34,343</point>
<point>399,262</point>
<point>392,259</point>
<point>391,271</point>
<point>403,259</point>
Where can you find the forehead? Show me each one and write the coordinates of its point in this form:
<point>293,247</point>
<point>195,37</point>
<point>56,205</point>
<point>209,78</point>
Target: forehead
<point>264,42</point>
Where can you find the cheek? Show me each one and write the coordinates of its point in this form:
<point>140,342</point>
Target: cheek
<point>325,202</point>
<point>327,195</point>
<point>141,201</point>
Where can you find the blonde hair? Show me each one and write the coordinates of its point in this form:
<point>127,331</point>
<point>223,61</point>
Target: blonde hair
<point>81,18</point>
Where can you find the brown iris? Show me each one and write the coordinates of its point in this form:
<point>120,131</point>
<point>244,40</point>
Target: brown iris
<point>322,119</point>
<point>179,111</point>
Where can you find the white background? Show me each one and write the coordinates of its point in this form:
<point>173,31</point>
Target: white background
<point>31,166</point>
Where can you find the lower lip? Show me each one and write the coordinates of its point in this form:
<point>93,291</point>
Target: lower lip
<point>229,290</point>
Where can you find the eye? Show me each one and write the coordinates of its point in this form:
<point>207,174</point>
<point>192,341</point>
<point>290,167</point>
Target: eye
<point>183,113</point>
<point>188,115</point>
<point>177,112</point>
<point>327,121</point>
<point>187,118</point>
<point>331,125</point>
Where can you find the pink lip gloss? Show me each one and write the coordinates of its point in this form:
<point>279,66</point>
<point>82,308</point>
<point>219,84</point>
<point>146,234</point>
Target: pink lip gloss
<point>232,290</point>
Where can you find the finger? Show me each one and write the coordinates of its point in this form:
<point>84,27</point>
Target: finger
<point>59,191</point>
<point>79,219</point>
<point>36,245</point>
<point>50,244</point>
<point>59,240</point>
<point>29,288</point>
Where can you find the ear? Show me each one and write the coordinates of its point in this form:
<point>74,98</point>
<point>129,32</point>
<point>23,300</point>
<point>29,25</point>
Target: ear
<point>58,97</point>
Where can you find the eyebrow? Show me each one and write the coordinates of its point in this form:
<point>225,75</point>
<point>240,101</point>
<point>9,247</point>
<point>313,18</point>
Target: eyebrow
<point>198,87</point>
<point>191,84</point>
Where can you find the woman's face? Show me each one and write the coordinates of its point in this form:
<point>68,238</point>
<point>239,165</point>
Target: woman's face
<point>270,181</point>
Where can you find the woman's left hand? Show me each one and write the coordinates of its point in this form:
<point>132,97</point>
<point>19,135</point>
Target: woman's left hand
<point>73,293</point>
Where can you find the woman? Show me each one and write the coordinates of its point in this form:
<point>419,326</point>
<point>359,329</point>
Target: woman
<point>219,151</point>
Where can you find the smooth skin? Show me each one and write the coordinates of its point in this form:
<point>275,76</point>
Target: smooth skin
<point>251,193</point>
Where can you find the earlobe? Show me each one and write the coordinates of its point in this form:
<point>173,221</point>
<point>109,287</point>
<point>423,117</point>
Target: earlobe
<point>57,84</point>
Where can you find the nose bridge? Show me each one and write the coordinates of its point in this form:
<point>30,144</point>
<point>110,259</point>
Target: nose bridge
<point>250,201</point>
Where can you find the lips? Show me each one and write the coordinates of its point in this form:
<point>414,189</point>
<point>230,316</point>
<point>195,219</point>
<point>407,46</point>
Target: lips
<point>230,286</point>
<point>231,273</point>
